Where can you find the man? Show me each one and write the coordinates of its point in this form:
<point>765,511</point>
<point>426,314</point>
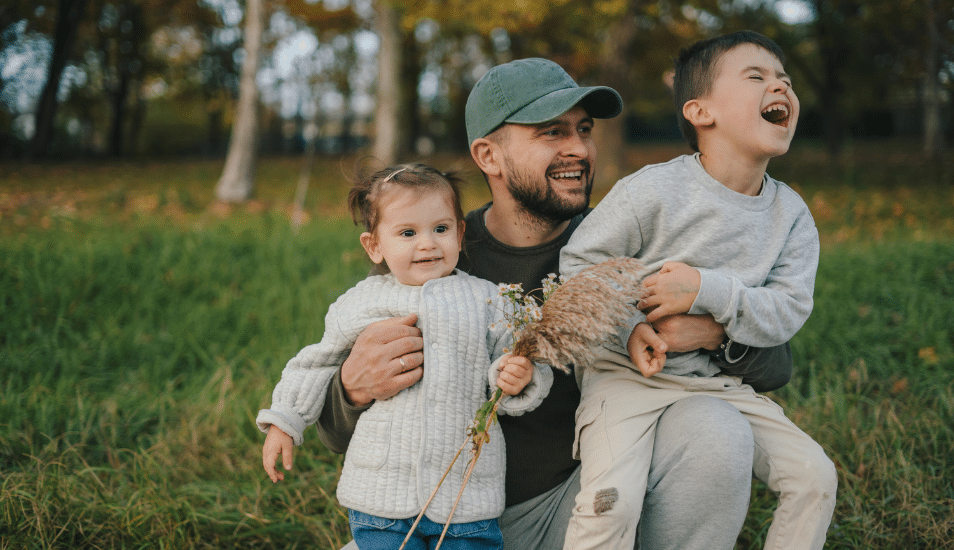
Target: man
<point>530,126</point>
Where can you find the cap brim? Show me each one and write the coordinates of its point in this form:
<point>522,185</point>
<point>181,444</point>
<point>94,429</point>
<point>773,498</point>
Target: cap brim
<point>598,101</point>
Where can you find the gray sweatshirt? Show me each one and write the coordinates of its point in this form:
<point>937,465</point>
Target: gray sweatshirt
<point>757,255</point>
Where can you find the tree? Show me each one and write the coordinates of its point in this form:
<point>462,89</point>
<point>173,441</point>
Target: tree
<point>237,182</point>
<point>390,137</point>
<point>69,14</point>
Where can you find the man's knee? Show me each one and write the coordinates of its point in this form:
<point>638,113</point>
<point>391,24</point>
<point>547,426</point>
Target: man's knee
<point>709,430</point>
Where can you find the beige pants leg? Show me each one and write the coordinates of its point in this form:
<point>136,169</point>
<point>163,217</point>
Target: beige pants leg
<point>615,432</point>
<point>795,467</point>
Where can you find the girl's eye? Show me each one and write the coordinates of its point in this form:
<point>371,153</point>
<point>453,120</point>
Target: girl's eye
<point>407,233</point>
<point>756,77</point>
<point>441,229</point>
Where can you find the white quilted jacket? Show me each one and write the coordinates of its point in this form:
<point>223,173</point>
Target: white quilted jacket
<point>402,446</point>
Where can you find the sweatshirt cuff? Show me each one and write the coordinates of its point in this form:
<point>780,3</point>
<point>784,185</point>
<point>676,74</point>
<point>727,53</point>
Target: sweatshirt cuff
<point>715,291</point>
<point>531,396</point>
<point>621,338</point>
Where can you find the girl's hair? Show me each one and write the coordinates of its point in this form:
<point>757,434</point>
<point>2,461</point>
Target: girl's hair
<point>365,196</point>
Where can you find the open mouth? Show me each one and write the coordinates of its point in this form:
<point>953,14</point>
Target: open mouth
<point>427,261</point>
<point>777,114</point>
<point>566,175</point>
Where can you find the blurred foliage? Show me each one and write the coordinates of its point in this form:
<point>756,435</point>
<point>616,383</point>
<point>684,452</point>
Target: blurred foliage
<point>859,67</point>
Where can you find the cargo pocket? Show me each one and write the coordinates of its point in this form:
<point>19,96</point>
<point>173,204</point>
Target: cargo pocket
<point>591,438</point>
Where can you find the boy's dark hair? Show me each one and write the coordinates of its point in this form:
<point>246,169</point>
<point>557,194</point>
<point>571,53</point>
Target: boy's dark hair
<point>365,194</point>
<point>697,66</point>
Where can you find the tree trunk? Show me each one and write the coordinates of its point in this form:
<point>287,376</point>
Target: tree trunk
<point>614,63</point>
<point>387,119</point>
<point>933,136</point>
<point>67,21</point>
<point>238,177</point>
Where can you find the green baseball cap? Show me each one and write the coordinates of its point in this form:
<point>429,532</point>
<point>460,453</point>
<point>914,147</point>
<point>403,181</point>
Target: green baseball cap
<point>531,91</point>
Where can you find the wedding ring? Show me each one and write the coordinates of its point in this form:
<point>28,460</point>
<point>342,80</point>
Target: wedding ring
<point>401,360</point>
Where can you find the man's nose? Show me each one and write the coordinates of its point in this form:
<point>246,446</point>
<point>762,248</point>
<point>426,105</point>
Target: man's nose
<point>575,145</point>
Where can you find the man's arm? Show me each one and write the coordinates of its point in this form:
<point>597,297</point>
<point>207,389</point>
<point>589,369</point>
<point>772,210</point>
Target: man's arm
<point>386,358</point>
<point>765,369</point>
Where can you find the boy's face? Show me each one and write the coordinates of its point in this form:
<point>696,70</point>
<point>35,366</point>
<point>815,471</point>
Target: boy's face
<point>418,235</point>
<point>754,107</point>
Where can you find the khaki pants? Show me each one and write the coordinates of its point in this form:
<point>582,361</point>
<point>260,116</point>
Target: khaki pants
<point>616,424</point>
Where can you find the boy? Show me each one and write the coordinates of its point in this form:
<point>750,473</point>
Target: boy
<point>753,248</point>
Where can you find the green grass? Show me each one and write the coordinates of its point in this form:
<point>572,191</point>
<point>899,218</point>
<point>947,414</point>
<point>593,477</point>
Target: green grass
<point>143,326</point>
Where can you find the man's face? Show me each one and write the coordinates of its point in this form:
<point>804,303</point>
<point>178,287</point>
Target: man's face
<point>548,167</point>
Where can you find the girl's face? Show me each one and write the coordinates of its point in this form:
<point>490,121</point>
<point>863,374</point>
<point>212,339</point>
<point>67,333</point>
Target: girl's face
<point>418,235</point>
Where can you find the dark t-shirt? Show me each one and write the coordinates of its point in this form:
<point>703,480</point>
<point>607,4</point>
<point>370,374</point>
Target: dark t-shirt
<point>540,442</point>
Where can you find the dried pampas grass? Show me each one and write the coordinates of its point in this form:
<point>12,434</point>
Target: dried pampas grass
<point>582,313</point>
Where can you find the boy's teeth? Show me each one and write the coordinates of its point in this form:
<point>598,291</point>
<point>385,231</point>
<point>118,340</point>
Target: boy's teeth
<point>560,175</point>
<point>775,113</point>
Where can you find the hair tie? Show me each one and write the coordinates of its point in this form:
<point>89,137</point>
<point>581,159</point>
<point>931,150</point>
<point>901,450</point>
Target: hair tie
<point>396,172</point>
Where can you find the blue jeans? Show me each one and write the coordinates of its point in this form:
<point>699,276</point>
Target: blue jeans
<point>376,533</point>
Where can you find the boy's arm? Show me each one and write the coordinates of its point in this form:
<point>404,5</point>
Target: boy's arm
<point>768,315</point>
<point>611,230</point>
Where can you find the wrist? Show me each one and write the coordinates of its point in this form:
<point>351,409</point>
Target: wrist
<point>729,351</point>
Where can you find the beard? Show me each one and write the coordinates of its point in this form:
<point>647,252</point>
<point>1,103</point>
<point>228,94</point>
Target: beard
<point>540,201</point>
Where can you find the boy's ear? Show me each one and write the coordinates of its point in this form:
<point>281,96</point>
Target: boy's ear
<point>370,245</point>
<point>696,113</point>
<point>485,154</point>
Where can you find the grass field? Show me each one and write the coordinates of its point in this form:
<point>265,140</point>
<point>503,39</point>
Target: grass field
<point>142,326</point>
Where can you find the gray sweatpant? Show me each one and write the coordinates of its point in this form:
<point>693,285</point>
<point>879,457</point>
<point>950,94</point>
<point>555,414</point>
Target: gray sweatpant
<point>698,493</point>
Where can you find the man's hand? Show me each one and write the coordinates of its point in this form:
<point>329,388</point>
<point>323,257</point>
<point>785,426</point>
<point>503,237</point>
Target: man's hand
<point>386,358</point>
<point>515,373</point>
<point>690,332</point>
<point>646,350</point>
<point>277,443</point>
<point>670,291</point>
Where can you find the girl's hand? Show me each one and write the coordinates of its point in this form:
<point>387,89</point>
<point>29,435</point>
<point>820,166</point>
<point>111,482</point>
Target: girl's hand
<point>515,373</point>
<point>277,443</point>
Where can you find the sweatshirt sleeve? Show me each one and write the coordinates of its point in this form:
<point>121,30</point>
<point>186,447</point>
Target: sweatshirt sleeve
<point>611,230</point>
<point>299,396</point>
<point>771,314</point>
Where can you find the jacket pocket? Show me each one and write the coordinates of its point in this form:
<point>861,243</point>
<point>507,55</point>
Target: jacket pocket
<point>371,441</point>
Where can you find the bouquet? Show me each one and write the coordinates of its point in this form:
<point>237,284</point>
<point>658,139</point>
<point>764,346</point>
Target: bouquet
<point>575,317</point>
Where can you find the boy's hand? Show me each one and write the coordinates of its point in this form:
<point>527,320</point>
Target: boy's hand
<point>515,373</point>
<point>670,291</point>
<point>277,443</point>
<point>646,350</point>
